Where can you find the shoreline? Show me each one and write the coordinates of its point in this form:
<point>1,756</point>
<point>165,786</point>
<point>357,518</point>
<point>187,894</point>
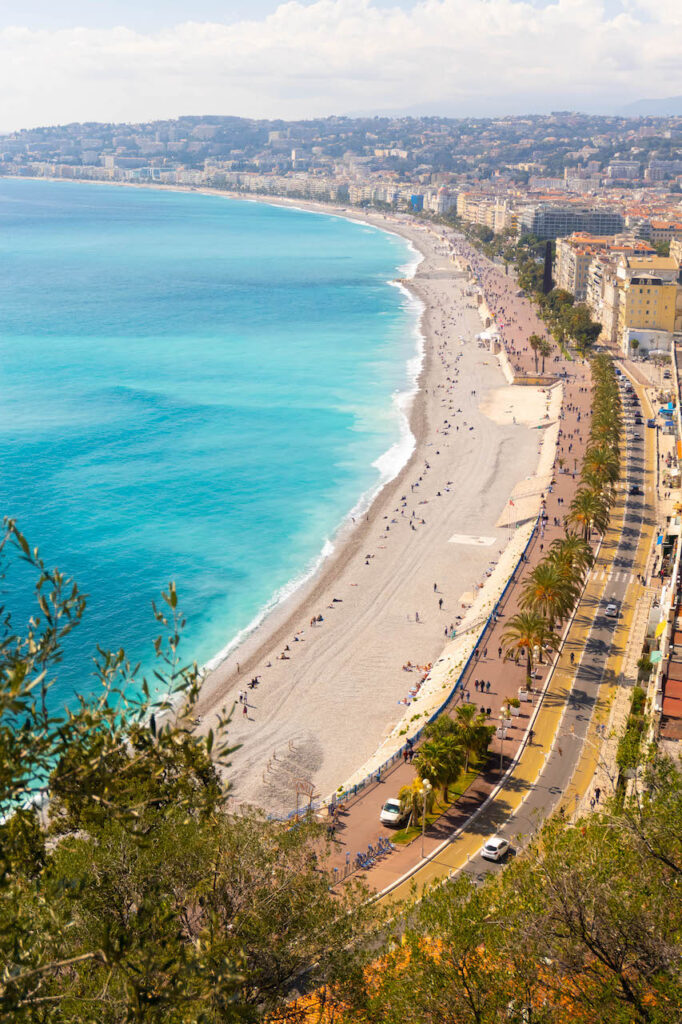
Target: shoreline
<point>280,623</point>
<point>314,721</point>
<point>403,402</point>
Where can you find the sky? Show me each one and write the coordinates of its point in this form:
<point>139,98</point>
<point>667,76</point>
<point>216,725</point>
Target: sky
<point>137,60</point>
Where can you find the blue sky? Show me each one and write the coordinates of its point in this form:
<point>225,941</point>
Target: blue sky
<point>127,60</point>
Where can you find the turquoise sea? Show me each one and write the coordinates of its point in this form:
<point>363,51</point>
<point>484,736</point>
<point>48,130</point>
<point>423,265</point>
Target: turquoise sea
<point>193,389</point>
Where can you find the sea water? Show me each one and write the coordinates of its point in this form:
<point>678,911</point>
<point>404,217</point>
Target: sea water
<point>193,389</point>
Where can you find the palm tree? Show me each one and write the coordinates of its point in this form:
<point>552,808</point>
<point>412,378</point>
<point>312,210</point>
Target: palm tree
<point>440,761</point>
<point>588,511</point>
<point>544,349</point>
<point>593,482</point>
<point>525,632</point>
<point>412,797</point>
<point>473,731</point>
<point>535,341</point>
<point>550,590</point>
<point>603,463</point>
<point>573,552</point>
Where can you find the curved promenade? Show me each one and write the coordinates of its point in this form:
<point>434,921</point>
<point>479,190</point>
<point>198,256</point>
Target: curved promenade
<point>544,766</point>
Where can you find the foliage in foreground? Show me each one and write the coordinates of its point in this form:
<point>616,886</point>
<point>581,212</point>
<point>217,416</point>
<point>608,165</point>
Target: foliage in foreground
<point>134,895</point>
<point>586,926</point>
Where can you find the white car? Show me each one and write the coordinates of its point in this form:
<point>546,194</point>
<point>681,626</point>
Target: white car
<point>495,849</point>
<point>612,610</point>
<point>393,813</point>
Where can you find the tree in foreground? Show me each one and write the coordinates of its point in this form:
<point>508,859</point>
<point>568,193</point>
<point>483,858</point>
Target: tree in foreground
<point>584,926</point>
<point>128,891</point>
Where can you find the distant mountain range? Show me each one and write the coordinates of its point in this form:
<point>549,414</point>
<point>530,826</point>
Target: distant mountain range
<point>653,108</point>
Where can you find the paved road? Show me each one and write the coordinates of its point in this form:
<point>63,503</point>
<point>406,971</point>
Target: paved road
<point>565,726</point>
<point>548,791</point>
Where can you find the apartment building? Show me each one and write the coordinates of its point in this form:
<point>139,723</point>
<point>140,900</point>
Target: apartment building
<point>623,169</point>
<point>487,210</point>
<point>574,256</point>
<point>556,221</point>
<point>665,230</point>
<point>635,296</point>
<point>650,302</point>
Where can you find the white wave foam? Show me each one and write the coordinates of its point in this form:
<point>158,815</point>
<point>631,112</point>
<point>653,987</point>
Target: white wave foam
<point>388,464</point>
<point>277,598</point>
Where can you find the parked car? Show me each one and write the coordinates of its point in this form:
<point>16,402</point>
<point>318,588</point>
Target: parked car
<point>393,813</point>
<point>495,849</point>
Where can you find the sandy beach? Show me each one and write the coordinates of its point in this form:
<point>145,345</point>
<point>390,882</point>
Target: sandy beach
<point>331,691</point>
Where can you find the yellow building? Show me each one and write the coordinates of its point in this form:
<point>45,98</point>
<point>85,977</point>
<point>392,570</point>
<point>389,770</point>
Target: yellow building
<point>650,302</point>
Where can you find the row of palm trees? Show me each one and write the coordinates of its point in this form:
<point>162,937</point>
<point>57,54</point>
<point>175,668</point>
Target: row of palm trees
<point>549,595</point>
<point>450,745</point>
<point>553,587</point>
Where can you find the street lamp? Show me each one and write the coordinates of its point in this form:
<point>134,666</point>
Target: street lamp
<point>502,735</point>
<point>425,790</point>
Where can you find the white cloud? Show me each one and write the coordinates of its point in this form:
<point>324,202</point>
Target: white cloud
<point>334,56</point>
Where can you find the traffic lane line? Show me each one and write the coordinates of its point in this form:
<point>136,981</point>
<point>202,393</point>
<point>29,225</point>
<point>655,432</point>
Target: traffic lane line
<point>581,703</point>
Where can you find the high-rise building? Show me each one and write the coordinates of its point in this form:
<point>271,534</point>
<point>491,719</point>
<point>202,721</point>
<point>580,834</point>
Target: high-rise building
<point>554,221</point>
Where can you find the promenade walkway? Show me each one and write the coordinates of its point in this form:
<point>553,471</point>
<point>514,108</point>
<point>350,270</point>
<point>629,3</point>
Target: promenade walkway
<point>575,732</point>
<point>359,818</point>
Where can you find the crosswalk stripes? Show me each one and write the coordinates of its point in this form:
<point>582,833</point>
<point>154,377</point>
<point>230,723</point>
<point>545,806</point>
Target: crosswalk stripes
<point>614,576</point>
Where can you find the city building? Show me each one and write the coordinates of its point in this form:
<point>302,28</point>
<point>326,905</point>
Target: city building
<point>649,303</point>
<point>556,221</point>
<point>574,256</point>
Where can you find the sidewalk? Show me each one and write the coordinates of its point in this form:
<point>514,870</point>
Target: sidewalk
<point>359,818</point>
